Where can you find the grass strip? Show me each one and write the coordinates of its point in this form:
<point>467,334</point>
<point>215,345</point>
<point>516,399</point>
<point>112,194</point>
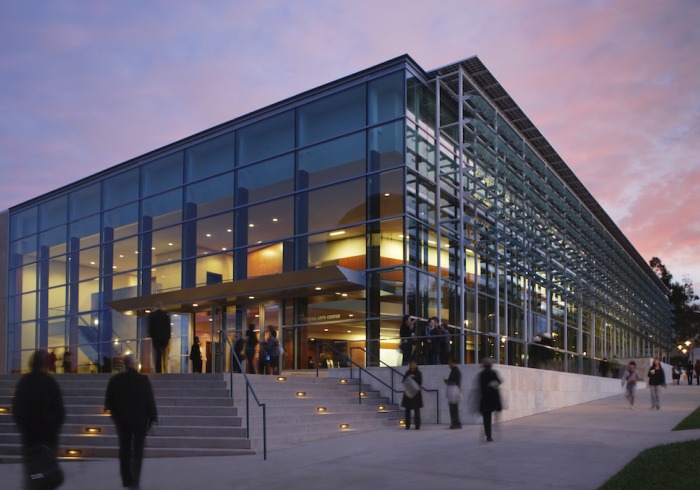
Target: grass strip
<point>661,467</point>
<point>692,421</point>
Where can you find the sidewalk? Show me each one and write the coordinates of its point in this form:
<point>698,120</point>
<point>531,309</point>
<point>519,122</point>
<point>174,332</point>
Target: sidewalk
<point>578,447</point>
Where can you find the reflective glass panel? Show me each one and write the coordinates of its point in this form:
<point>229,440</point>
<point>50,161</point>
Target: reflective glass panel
<point>120,189</point>
<point>125,254</point>
<point>266,259</point>
<point>335,206</point>
<point>266,138</point>
<point>162,174</point>
<point>211,157</point>
<point>335,160</point>
<point>88,295</point>
<point>214,234</point>
<point>86,231</point>
<point>121,222</point>
<point>386,146</point>
<point>23,251</point>
<point>265,180</point>
<point>167,245</point>
<point>84,202</point>
<point>345,247</point>
<point>166,277</point>
<point>332,116</point>
<point>53,213</point>
<point>269,221</point>
<point>386,194</point>
<point>89,263</point>
<point>56,271</point>
<point>23,223</point>
<point>386,98</point>
<point>220,264</point>
<point>57,301</point>
<point>165,209</point>
<point>210,196</point>
<point>53,242</point>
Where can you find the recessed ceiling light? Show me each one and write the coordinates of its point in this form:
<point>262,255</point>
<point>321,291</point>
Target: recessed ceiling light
<point>122,256</point>
<point>336,233</point>
<point>251,225</point>
<point>153,248</point>
<point>251,297</point>
<point>114,267</point>
<point>274,219</point>
<point>317,288</point>
<point>170,244</point>
<point>229,230</point>
<point>92,262</point>
<point>386,194</point>
<point>208,234</point>
<point>195,304</point>
<point>325,329</point>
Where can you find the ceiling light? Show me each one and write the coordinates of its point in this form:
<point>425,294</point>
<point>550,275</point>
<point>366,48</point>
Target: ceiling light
<point>208,234</point>
<point>229,230</point>
<point>336,233</point>
<point>251,225</point>
<point>274,219</point>
<point>386,194</point>
<point>170,244</point>
<point>317,288</point>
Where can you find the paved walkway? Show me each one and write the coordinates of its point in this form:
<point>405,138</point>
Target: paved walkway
<point>578,447</point>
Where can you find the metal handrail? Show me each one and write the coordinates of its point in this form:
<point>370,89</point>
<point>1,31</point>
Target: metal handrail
<point>249,389</point>
<point>393,370</point>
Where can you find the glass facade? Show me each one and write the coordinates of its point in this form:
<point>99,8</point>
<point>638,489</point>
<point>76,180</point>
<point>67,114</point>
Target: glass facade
<point>417,182</point>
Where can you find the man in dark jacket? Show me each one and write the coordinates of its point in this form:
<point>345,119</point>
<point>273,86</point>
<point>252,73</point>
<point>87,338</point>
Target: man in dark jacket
<point>131,403</point>
<point>37,408</point>
<point>159,331</point>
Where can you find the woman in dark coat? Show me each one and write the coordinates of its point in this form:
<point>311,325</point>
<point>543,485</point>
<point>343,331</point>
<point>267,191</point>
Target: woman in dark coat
<point>657,379</point>
<point>196,356</point>
<point>415,402</point>
<point>490,399</point>
<point>250,346</point>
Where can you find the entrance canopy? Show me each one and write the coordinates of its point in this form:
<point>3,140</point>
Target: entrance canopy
<point>302,283</point>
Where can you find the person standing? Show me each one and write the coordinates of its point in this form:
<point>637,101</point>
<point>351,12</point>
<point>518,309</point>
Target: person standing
<point>657,379</point>
<point>697,371</point>
<point>490,396</point>
<point>689,372</point>
<point>239,349</point>
<point>273,350</point>
<point>454,393</point>
<point>159,331</point>
<point>431,347</point>
<point>130,401</point>
<point>196,356</point>
<point>251,344</point>
<point>412,397</point>
<point>38,411</point>
<point>629,381</point>
<point>406,331</point>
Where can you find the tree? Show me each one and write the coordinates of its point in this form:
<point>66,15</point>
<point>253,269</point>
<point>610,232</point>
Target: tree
<point>682,298</point>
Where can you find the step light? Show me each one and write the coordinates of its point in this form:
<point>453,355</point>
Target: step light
<point>4,409</point>
<point>281,379</point>
<point>344,426</point>
<point>74,453</point>
<point>93,430</point>
<point>362,393</point>
<point>301,393</point>
<point>321,409</point>
<point>402,422</point>
<point>107,411</point>
<point>343,381</point>
<point>381,407</point>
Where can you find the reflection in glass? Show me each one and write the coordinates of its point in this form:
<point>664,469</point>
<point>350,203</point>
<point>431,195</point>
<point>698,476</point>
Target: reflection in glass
<point>269,221</point>
<point>53,242</point>
<point>23,251</point>
<point>332,116</point>
<point>386,146</point>
<point>84,202</point>
<point>87,231</point>
<point>120,222</point>
<point>209,197</point>
<point>265,139</point>
<point>164,209</point>
<point>264,180</point>
<point>166,245</point>
<point>336,206</point>
<point>345,247</point>
<point>335,160</point>
<point>166,277</point>
<point>162,174</point>
<point>386,98</point>
<point>120,189</point>
<point>212,157</point>
<point>53,213</point>
<point>23,223</point>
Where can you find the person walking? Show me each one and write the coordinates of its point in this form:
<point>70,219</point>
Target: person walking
<point>130,401</point>
<point>490,396</point>
<point>38,411</point>
<point>196,356</point>
<point>159,331</point>
<point>657,379</point>
<point>689,372</point>
<point>697,371</point>
<point>412,396</point>
<point>629,381</point>
<point>453,390</point>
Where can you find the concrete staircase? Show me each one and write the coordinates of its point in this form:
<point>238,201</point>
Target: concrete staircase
<point>303,408</point>
<point>197,416</point>
<point>195,412</point>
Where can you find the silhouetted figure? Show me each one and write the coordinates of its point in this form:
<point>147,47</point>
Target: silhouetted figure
<point>251,344</point>
<point>490,397</point>
<point>696,367</point>
<point>159,331</point>
<point>51,362</point>
<point>130,400</point>
<point>689,372</point>
<point>454,393</point>
<point>412,397</point>
<point>38,411</point>
<point>239,349</point>
<point>196,356</point>
<point>273,351</point>
<point>67,362</point>
<point>657,379</point>
<point>407,331</point>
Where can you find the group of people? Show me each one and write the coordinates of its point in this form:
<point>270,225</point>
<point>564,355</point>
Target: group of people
<point>269,352</point>
<point>489,398</point>
<point>39,413</point>
<point>688,370</point>
<point>431,346</point>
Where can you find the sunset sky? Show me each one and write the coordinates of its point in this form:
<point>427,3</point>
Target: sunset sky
<point>613,85</point>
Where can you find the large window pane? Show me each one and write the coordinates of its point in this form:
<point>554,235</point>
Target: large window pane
<point>23,251</point>
<point>89,263</point>
<point>125,255</point>
<point>121,222</point>
<point>339,159</point>
<point>56,271</point>
<point>332,116</point>
<point>120,189</point>
<point>86,231</point>
<point>164,209</point>
<point>57,301</point>
<point>266,259</point>
<point>167,245</point>
<point>386,146</point>
<point>346,247</point>
<point>166,277</point>
<point>334,206</point>
<point>53,242</point>
<point>84,202</point>
<point>210,158</point>
<point>23,279</point>
<point>265,180</point>
<point>164,173</point>
<point>215,234</point>
<point>220,264</point>
<point>53,213</point>
<point>386,98</point>
<point>386,194</point>
<point>270,221</point>
<point>23,223</point>
<point>266,138</point>
<point>209,197</point>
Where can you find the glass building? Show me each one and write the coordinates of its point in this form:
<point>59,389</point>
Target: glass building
<point>329,216</point>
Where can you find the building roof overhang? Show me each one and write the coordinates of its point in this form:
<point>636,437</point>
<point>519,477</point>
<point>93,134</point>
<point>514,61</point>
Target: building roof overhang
<point>256,290</point>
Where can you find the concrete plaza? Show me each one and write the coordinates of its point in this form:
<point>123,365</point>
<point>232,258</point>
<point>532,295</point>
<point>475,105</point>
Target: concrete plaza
<point>578,447</point>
